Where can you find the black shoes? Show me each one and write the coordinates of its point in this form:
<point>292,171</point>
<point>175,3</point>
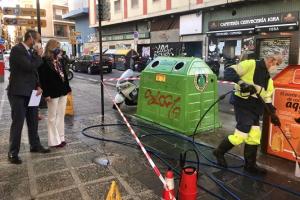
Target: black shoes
<point>14,159</point>
<point>39,149</point>
<point>255,170</point>
<point>250,152</point>
<point>221,150</point>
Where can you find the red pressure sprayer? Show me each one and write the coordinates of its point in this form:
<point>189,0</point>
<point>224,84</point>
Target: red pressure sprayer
<point>188,180</point>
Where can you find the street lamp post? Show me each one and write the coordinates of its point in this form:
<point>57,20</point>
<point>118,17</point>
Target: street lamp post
<point>38,16</point>
<point>100,53</point>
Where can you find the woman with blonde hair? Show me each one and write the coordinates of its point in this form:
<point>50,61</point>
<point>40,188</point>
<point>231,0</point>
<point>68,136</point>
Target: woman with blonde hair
<point>55,85</point>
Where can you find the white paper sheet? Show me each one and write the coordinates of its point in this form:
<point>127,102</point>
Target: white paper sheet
<point>34,100</point>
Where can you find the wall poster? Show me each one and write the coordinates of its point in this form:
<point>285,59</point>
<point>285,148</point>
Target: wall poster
<point>287,103</point>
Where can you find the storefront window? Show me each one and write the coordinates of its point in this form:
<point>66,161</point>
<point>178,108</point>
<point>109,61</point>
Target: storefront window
<point>230,49</point>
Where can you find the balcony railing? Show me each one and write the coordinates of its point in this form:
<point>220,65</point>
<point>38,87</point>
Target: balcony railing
<point>58,17</point>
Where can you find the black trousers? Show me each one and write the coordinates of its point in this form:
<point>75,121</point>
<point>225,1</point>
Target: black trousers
<point>20,111</point>
<point>245,118</point>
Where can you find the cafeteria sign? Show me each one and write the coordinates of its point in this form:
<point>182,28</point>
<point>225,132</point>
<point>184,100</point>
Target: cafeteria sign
<point>251,22</point>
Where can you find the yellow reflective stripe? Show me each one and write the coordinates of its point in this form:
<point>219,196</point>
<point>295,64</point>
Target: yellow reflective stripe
<point>254,136</point>
<point>239,69</point>
<point>237,138</point>
<point>268,100</point>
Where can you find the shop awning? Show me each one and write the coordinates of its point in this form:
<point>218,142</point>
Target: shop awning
<point>277,27</point>
<point>103,51</point>
<point>111,51</point>
<point>232,32</point>
<point>122,51</point>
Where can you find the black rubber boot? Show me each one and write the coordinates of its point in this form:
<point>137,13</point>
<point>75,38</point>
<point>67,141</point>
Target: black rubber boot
<point>250,152</point>
<point>221,150</point>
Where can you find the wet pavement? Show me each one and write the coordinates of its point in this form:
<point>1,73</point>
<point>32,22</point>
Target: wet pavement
<point>70,173</point>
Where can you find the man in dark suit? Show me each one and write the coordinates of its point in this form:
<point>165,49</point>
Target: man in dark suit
<point>25,58</point>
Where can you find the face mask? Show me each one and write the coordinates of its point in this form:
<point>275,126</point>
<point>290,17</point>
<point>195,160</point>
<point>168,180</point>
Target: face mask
<point>272,69</point>
<point>56,52</point>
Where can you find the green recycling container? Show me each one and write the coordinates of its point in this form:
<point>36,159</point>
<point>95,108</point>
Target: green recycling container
<point>176,91</point>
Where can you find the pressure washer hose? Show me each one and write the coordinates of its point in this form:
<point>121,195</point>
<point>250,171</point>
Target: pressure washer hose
<point>269,112</point>
<point>157,154</point>
<point>210,107</point>
<point>196,145</point>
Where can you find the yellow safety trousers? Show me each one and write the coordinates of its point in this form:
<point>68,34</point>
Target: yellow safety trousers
<point>251,138</point>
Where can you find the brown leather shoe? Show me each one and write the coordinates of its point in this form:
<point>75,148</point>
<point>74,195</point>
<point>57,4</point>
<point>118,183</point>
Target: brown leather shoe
<point>58,146</point>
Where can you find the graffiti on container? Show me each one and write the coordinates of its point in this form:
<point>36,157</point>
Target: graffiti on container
<point>167,101</point>
<point>163,50</point>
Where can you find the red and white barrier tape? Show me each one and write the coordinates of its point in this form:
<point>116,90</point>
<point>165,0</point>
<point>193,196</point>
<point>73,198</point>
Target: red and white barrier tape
<point>154,167</point>
<point>117,79</point>
<point>137,78</point>
<point>226,82</point>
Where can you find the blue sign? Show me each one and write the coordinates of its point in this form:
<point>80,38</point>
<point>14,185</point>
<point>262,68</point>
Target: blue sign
<point>135,34</point>
<point>2,41</point>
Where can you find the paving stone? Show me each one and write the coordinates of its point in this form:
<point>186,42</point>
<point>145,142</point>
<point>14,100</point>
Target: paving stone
<point>17,189</point>
<point>49,165</point>
<point>53,153</point>
<point>130,163</point>
<point>10,172</point>
<point>100,190</point>
<point>148,196</point>
<point>73,194</point>
<point>54,181</point>
<point>4,147</point>
<point>135,184</point>
<point>82,159</point>
<point>92,172</point>
<point>70,137</point>
<point>3,157</point>
<point>76,148</point>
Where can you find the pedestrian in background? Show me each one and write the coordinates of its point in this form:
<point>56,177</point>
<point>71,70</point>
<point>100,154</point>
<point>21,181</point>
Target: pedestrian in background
<point>65,60</point>
<point>24,60</point>
<point>55,85</point>
<point>252,77</point>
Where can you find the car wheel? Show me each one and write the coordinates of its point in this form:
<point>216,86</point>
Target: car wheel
<point>70,75</point>
<point>89,70</point>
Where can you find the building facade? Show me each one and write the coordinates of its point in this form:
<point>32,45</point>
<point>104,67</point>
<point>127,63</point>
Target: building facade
<point>78,12</point>
<point>194,27</point>
<point>152,27</point>
<point>255,28</point>
<point>56,26</point>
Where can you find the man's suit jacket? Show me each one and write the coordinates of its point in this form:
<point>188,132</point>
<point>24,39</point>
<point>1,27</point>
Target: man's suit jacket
<point>23,71</point>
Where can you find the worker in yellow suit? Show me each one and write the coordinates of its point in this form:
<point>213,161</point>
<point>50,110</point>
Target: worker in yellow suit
<point>252,77</point>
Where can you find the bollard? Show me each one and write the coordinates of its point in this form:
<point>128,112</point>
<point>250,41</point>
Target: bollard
<point>2,70</point>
